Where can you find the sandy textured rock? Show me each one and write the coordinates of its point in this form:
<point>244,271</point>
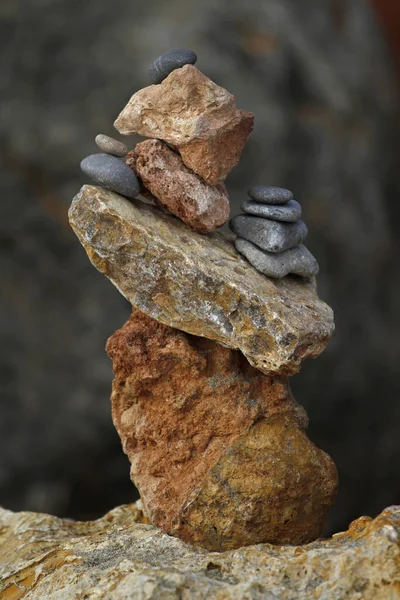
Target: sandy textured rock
<point>118,558</point>
<point>217,448</point>
<point>202,207</point>
<point>200,284</point>
<point>194,114</point>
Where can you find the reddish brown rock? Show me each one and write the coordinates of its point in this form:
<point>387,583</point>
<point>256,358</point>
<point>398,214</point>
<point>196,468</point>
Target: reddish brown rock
<point>215,157</point>
<point>217,448</point>
<point>196,116</point>
<point>202,207</point>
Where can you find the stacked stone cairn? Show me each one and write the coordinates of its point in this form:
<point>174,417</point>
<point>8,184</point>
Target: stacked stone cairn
<point>270,233</point>
<point>201,397</point>
<point>196,137</point>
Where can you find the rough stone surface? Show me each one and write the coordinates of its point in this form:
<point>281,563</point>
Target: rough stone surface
<point>110,145</point>
<point>191,112</point>
<point>298,261</point>
<point>168,62</point>
<point>269,235</point>
<point>120,558</point>
<point>200,284</point>
<point>217,448</point>
<point>112,173</point>
<point>202,207</point>
<point>289,212</point>
<point>269,195</point>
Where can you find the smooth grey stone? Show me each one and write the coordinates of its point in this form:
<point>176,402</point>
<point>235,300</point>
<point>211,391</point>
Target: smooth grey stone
<point>269,235</point>
<point>298,260</point>
<point>269,195</point>
<point>289,212</point>
<point>112,173</point>
<point>110,146</point>
<point>166,63</point>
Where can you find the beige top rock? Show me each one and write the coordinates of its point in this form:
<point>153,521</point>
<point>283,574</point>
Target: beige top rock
<point>199,283</point>
<point>195,115</point>
<point>120,558</point>
<point>186,106</point>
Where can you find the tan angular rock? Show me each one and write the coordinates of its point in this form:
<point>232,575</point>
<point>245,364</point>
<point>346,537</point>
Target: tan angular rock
<point>119,558</point>
<point>217,448</point>
<point>195,115</point>
<point>202,207</point>
<point>200,284</point>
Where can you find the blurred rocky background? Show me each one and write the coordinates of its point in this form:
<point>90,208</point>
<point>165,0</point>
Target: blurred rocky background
<point>320,77</point>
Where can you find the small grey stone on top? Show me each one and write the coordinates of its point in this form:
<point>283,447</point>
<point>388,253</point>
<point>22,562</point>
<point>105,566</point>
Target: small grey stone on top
<point>269,235</point>
<point>110,146</point>
<point>298,261</point>
<point>269,195</point>
<point>112,173</point>
<point>166,63</point>
<point>289,212</point>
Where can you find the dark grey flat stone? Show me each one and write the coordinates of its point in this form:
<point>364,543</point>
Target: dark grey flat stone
<point>269,235</point>
<point>168,62</point>
<point>298,260</point>
<point>112,173</point>
<point>110,146</point>
<point>269,195</point>
<point>289,212</point>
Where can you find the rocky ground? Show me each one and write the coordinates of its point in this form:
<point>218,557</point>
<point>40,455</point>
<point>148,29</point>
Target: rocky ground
<point>321,85</point>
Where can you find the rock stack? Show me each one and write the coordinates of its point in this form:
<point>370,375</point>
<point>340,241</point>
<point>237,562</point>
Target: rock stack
<point>270,233</point>
<point>201,397</point>
<point>197,136</point>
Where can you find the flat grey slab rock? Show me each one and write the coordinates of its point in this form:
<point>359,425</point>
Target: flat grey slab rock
<point>298,261</point>
<point>200,283</point>
<point>168,62</point>
<point>269,235</point>
<point>112,173</point>
<point>269,194</point>
<point>109,145</point>
<point>289,212</point>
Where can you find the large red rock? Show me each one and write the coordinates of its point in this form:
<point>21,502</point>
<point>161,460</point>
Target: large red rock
<point>218,450</point>
<point>202,207</point>
<point>196,116</point>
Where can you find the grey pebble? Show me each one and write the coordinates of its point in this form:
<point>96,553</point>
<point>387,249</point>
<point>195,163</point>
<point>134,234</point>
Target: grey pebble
<point>166,63</point>
<point>269,195</point>
<point>269,235</point>
<point>110,146</point>
<point>289,212</point>
<point>298,261</point>
<point>112,173</point>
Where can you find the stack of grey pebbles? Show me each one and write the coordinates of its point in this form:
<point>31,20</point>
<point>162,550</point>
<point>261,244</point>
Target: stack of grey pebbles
<point>270,234</point>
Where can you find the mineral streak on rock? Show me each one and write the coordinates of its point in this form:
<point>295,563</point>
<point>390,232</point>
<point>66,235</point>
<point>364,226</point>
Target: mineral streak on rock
<point>202,207</point>
<point>200,284</point>
<point>196,116</point>
<point>119,558</point>
<point>217,448</point>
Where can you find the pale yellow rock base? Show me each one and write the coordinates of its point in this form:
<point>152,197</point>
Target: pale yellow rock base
<point>120,558</point>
